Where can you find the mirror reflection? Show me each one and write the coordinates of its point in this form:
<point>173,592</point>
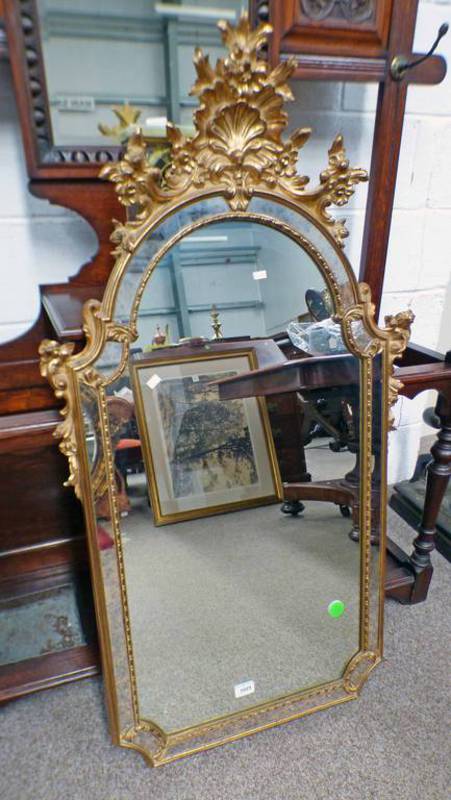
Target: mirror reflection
<point>238,492</point>
<point>251,278</point>
<point>132,51</point>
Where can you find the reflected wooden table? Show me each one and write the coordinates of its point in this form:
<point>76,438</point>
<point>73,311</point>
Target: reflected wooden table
<point>408,576</point>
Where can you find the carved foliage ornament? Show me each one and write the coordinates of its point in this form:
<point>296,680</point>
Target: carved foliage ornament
<point>238,145</point>
<point>53,362</point>
<point>396,333</point>
<point>398,327</point>
<point>238,148</point>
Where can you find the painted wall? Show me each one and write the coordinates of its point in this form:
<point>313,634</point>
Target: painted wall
<point>43,244</point>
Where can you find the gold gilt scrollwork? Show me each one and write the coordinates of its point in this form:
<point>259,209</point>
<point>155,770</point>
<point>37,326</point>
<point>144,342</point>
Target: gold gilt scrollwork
<point>55,362</point>
<point>238,145</point>
<point>53,366</point>
<point>398,326</point>
<point>98,332</point>
<point>396,333</point>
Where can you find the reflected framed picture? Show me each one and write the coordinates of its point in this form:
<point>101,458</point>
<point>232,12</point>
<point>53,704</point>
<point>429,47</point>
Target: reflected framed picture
<point>203,456</point>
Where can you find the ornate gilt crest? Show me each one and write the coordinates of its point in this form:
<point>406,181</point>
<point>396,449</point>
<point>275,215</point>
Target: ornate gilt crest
<point>238,145</point>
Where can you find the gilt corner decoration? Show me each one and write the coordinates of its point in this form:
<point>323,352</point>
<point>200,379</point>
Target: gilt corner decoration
<point>217,625</point>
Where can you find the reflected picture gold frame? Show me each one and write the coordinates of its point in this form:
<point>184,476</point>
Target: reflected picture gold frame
<point>153,467</point>
<point>237,153</point>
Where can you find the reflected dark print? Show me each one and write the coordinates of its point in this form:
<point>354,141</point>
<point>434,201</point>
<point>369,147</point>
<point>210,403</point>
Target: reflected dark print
<point>208,442</point>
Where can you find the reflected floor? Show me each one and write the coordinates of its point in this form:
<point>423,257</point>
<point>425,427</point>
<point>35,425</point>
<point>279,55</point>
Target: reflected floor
<point>243,596</point>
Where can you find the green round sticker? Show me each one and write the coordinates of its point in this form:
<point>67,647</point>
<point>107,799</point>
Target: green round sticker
<point>336,608</point>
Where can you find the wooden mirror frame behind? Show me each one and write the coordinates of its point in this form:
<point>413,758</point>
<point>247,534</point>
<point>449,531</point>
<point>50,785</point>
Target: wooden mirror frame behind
<point>45,160</point>
<point>237,153</point>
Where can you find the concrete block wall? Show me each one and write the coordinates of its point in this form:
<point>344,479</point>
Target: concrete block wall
<point>419,261</point>
<point>42,243</point>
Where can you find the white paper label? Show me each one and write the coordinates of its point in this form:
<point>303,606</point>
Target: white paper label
<point>153,381</point>
<point>75,103</point>
<point>242,689</point>
<point>259,275</point>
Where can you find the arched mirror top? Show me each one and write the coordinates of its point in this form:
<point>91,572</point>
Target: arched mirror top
<point>281,222</point>
<point>236,168</point>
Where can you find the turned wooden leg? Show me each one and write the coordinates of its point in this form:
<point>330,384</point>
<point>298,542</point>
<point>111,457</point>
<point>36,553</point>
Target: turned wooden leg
<point>438,474</point>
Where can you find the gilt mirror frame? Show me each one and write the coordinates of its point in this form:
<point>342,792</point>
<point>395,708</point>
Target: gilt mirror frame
<point>237,153</point>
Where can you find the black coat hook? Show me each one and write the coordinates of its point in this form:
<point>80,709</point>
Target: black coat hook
<point>401,64</point>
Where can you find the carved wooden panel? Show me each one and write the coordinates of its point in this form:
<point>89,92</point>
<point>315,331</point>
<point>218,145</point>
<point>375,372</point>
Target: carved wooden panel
<point>341,28</point>
<point>355,11</point>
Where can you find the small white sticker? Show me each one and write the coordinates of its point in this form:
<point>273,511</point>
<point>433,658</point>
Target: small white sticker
<point>153,381</point>
<point>195,378</point>
<point>79,103</point>
<point>259,275</point>
<point>242,689</point>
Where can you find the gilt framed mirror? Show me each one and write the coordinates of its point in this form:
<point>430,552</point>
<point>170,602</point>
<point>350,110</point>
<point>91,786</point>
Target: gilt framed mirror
<point>226,428</point>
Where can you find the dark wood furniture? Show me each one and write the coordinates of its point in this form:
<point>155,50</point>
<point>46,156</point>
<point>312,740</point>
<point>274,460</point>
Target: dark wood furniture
<point>407,577</point>
<point>419,372</point>
<point>408,496</point>
<point>42,541</point>
<point>50,543</point>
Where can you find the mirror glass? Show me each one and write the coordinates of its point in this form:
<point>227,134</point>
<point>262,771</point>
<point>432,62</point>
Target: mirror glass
<point>255,277</point>
<point>191,224</point>
<point>99,54</point>
<point>237,589</point>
